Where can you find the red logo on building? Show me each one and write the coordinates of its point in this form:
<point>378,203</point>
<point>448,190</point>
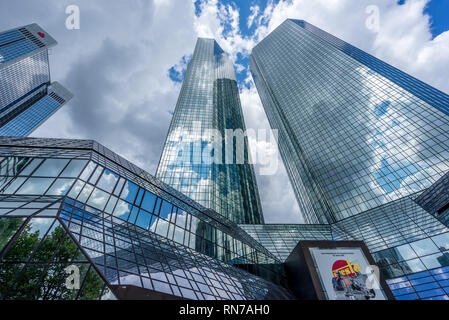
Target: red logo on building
<point>345,268</point>
<point>42,35</point>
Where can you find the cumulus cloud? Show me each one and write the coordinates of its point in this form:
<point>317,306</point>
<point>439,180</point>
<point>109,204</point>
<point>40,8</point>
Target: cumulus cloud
<point>254,13</point>
<point>118,63</point>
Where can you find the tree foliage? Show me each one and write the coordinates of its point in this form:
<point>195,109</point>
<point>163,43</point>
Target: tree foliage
<point>34,267</point>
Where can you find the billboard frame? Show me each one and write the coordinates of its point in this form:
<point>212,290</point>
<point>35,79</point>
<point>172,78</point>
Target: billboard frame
<point>303,276</point>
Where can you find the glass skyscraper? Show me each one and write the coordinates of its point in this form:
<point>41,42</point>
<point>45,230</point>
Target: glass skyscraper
<point>355,133</point>
<point>27,96</point>
<point>197,162</point>
<point>361,142</point>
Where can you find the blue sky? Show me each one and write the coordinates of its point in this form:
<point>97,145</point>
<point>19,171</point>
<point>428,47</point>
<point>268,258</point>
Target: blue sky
<point>439,13</point>
<point>438,10</point>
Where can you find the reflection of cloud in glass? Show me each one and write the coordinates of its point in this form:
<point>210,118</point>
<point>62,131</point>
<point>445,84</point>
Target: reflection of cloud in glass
<point>60,187</point>
<point>129,191</point>
<point>395,136</point>
<point>162,225</point>
<point>88,170</point>
<point>130,279</point>
<point>107,180</point>
<point>35,186</point>
<point>85,193</point>
<point>76,189</point>
<point>51,167</point>
<point>41,225</point>
<point>98,199</point>
<point>74,168</point>
<point>122,210</point>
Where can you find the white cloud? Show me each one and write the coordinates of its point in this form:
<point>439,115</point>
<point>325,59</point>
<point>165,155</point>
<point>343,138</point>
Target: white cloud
<point>254,13</point>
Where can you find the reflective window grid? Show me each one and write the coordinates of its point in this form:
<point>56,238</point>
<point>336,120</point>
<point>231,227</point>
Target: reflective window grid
<point>209,99</point>
<point>76,202</point>
<point>354,133</point>
<point>361,141</point>
<point>435,199</point>
<point>405,241</point>
<point>27,98</point>
<point>282,239</point>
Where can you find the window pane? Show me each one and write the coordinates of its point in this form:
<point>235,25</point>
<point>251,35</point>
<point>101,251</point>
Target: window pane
<point>181,218</point>
<point>84,195</point>
<point>179,235</point>
<point>129,192</point>
<point>404,252</point>
<point>108,180</point>
<point>424,247</point>
<point>88,171</point>
<point>74,168</point>
<point>98,199</point>
<point>122,210</point>
<point>412,266</point>
<point>51,168</point>
<point>148,201</point>
<point>35,186</point>
<point>119,186</point>
<point>133,215</point>
<point>76,189</point>
<point>442,241</point>
<point>143,220</point>
<point>166,210</point>
<point>30,167</point>
<point>111,204</point>
<point>162,227</point>
<point>384,258</point>
<point>8,227</point>
<point>94,178</point>
<point>31,235</point>
<point>139,197</point>
<point>436,260</point>
<point>60,187</point>
<point>12,187</point>
<point>13,165</point>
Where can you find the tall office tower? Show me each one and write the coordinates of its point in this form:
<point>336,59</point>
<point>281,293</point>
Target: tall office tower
<point>355,133</point>
<point>195,160</point>
<point>366,148</point>
<point>27,96</point>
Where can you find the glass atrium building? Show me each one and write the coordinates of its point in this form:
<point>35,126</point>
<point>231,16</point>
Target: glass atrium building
<point>196,160</point>
<point>361,141</point>
<point>27,96</point>
<point>75,204</point>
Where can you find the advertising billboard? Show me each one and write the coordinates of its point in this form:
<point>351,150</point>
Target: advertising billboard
<point>346,274</point>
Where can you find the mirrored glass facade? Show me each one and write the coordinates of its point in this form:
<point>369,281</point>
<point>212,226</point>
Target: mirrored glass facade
<point>366,149</point>
<point>354,132</point>
<point>27,96</point>
<point>435,199</point>
<point>196,161</point>
<point>120,226</point>
<point>281,239</point>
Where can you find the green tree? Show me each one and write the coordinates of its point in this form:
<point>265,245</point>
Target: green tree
<point>44,275</point>
<point>8,227</point>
